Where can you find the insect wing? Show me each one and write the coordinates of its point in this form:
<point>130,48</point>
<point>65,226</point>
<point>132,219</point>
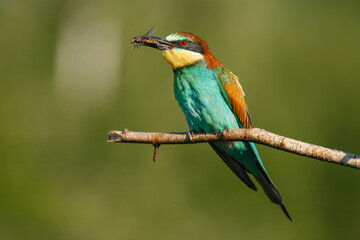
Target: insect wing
<point>150,32</point>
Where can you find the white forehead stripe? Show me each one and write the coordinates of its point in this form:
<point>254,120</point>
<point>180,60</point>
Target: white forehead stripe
<point>174,37</point>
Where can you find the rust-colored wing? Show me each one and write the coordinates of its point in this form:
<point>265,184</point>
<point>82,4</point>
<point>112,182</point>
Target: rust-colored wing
<point>233,94</point>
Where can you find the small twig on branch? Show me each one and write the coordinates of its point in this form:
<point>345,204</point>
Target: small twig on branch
<point>156,148</point>
<point>255,135</point>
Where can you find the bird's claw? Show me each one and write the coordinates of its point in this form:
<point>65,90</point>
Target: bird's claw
<point>189,134</point>
<point>223,133</point>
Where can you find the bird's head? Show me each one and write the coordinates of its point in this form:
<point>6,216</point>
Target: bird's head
<point>180,49</point>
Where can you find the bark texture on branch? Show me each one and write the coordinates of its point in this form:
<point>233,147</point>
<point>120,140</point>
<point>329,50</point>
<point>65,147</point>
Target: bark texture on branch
<point>255,135</point>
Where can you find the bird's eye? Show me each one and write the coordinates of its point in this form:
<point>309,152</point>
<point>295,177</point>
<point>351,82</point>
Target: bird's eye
<point>183,43</point>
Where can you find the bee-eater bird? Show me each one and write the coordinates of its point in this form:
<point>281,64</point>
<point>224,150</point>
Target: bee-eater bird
<point>212,100</point>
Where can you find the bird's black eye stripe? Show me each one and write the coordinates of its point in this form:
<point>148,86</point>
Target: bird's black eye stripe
<point>191,46</point>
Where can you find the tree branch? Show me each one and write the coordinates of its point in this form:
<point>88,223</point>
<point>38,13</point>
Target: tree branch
<point>255,135</point>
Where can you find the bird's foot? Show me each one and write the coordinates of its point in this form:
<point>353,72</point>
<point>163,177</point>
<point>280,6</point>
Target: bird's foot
<point>189,134</point>
<point>223,133</point>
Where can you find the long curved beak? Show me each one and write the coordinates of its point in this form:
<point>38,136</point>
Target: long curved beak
<point>151,41</point>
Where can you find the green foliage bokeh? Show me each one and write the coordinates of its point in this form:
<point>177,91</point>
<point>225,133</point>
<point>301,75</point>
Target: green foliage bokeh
<point>68,74</point>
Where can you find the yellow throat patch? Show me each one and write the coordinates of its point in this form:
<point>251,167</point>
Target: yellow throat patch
<point>181,58</point>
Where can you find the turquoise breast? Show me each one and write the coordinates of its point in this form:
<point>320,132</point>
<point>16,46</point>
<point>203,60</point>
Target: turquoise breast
<point>200,98</point>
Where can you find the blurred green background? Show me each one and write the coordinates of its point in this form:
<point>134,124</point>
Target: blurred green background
<point>68,74</point>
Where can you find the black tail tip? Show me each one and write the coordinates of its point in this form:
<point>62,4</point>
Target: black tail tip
<point>282,206</point>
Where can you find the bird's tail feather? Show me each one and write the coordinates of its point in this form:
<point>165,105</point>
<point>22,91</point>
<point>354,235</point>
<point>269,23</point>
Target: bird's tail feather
<point>235,166</point>
<point>270,190</point>
<point>259,173</point>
